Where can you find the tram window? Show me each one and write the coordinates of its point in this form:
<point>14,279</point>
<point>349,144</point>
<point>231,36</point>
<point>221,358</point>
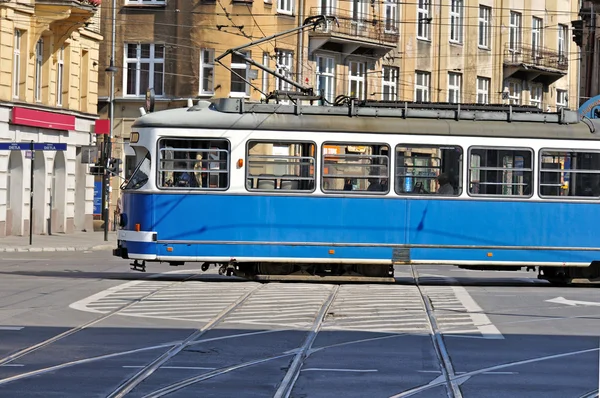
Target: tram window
<point>428,170</point>
<point>355,167</point>
<point>567,173</point>
<point>500,171</point>
<point>280,166</point>
<point>139,177</point>
<point>190,163</point>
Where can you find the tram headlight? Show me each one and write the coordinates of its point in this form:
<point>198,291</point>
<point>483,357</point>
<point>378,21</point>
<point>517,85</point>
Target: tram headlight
<point>135,137</point>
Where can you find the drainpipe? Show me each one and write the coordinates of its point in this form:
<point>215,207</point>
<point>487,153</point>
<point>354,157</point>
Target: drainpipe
<point>300,45</point>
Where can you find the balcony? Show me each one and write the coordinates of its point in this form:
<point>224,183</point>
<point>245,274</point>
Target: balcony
<point>538,65</point>
<point>354,34</point>
<point>62,17</point>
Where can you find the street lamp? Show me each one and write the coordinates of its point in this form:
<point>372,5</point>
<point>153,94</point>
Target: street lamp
<point>108,143</point>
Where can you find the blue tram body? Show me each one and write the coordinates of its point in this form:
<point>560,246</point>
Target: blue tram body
<point>238,226</point>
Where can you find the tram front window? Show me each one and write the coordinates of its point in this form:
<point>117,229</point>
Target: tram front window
<point>140,175</point>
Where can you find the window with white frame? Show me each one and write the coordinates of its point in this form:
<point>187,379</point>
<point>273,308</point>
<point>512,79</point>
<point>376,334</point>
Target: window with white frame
<point>563,44</point>
<point>456,22</point>
<point>207,71</point>
<point>483,90</point>
<point>328,7</point>
<point>39,60</point>
<point>514,34</point>
<point>265,76</point>
<point>423,19</point>
<point>60,69</point>
<point>16,63</point>
<point>536,36</point>
<point>285,6</point>
<point>146,2</point>
<point>357,79</point>
<point>239,75</point>
<point>562,99</point>
<point>422,80</point>
<point>284,67</point>
<point>391,16</point>
<point>454,84</point>
<point>144,68</point>
<point>359,10</point>
<point>389,83</point>
<point>326,77</point>
<point>535,95</point>
<point>485,15</point>
<point>514,92</point>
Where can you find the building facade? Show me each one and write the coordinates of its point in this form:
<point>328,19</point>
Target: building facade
<point>48,94</point>
<point>467,51</point>
<point>587,35</point>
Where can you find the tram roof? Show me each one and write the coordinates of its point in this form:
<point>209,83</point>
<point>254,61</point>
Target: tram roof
<point>379,118</point>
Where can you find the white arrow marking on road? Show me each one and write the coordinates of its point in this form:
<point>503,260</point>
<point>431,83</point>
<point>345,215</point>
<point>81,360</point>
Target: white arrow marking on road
<point>562,300</point>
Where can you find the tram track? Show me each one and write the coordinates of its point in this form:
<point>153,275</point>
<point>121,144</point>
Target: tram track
<point>28,350</point>
<point>437,339</point>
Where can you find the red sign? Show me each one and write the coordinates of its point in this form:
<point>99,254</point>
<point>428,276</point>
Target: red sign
<point>48,120</point>
<point>102,126</point>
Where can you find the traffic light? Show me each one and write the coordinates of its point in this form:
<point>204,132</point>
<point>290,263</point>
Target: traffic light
<point>577,32</point>
<point>114,166</point>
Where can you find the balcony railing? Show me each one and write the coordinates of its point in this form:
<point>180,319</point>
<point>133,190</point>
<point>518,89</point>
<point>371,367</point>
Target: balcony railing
<point>538,56</point>
<point>358,26</point>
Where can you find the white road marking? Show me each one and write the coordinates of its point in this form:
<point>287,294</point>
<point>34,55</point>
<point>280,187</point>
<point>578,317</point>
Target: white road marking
<point>12,328</point>
<point>562,300</point>
<point>338,370</point>
<point>169,367</point>
<point>15,365</point>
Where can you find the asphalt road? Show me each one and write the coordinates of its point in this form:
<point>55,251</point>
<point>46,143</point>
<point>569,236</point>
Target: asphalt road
<point>84,325</point>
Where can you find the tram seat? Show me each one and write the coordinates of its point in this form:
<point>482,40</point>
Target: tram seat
<point>289,184</point>
<point>264,183</point>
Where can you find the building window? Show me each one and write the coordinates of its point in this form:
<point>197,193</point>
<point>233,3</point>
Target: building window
<point>563,44</point>
<point>326,77</point>
<point>280,166</point>
<point>562,99</point>
<point>485,14</point>
<point>456,22</point>
<point>536,36</point>
<point>483,90</point>
<point>207,70</point>
<point>60,69</point>
<point>389,83</point>
<point>265,76</point>
<point>514,92</point>
<point>359,10</point>
<point>496,171</point>
<point>285,6</point>
<point>535,95</point>
<point>454,84</point>
<point>16,63</point>
<point>284,67</point>
<point>357,79</point>
<point>391,16</point>
<point>514,39</point>
<point>422,80</point>
<point>39,60</point>
<point>239,75</point>
<point>145,68</point>
<point>423,19</point>
<point>146,2</point>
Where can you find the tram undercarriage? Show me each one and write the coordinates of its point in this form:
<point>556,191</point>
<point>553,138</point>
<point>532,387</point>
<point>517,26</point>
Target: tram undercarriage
<point>554,275</point>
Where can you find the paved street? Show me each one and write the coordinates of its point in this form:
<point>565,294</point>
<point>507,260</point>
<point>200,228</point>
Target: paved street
<point>79,324</point>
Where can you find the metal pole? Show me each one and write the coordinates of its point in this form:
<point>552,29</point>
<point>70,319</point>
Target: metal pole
<point>106,178</point>
<point>31,196</point>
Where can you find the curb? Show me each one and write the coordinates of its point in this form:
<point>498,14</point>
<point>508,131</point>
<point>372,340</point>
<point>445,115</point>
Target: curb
<point>55,249</point>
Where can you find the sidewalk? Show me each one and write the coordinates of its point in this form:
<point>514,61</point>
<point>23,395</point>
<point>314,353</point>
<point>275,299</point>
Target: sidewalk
<point>80,241</point>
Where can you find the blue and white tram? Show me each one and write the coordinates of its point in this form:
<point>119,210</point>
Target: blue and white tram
<point>280,189</point>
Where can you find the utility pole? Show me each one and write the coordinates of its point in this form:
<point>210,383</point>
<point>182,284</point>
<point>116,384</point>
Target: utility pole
<point>111,70</point>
